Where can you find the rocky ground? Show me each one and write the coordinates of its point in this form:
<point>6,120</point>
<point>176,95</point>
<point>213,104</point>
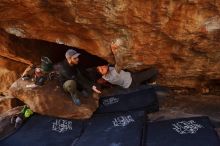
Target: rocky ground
<point>180,106</point>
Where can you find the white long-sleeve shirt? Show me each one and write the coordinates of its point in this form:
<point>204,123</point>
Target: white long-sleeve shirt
<point>122,78</point>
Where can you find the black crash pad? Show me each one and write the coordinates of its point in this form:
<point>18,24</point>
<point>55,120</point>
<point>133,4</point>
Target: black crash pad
<point>45,131</point>
<point>144,99</point>
<point>123,129</point>
<point>196,131</point>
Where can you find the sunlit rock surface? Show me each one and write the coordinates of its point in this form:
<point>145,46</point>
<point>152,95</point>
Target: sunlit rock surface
<point>181,38</point>
<point>51,100</point>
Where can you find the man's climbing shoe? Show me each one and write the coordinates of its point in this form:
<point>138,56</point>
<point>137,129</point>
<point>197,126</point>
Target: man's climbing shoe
<point>76,100</point>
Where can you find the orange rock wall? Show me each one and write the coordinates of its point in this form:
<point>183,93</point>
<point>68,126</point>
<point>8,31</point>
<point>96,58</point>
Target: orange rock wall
<point>180,37</point>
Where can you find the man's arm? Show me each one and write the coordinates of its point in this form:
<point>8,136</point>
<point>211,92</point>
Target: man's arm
<point>86,82</point>
<point>115,52</point>
<point>103,83</point>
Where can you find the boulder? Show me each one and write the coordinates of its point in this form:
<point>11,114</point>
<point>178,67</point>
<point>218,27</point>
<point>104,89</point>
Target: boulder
<point>51,100</point>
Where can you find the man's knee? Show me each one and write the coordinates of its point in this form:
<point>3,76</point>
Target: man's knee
<point>70,86</point>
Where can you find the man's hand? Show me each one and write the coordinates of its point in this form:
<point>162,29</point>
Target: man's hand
<point>95,89</point>
<point>114,47</point>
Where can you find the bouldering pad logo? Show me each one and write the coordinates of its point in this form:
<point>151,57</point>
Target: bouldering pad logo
<point>187,127</point>
<point>61,126</point>
<point>110,101</point>
<point>122,121</point>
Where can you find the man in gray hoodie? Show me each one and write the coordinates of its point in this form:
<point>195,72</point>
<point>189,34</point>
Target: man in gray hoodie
<point>125,79</point>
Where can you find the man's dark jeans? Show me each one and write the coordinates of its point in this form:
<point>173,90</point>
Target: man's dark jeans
<point>146,76</point>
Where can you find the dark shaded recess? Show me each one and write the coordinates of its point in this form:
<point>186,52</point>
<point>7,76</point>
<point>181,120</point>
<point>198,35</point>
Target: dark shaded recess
<point>184,90</point>
<point>54,7</point>
<point>214,85</point>
<point>178,58</point>
<point>16,102</point>
<point>32,49</point>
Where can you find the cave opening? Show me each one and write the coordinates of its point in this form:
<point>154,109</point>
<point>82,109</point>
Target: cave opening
<point>33,50</point>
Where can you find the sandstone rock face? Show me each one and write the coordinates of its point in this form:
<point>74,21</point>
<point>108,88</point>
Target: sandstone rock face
<point>181,38</point>
<point>7,103</point>
<point>52,101</point>
<point>6,79</point>
<point>9,72</point>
